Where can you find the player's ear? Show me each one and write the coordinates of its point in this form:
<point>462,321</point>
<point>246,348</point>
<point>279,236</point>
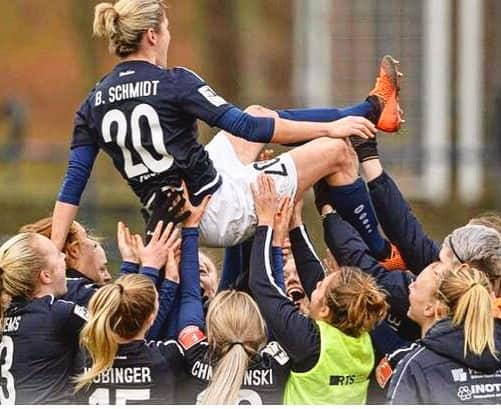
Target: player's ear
<point>45,277</point>
<point>151,36</point>
<point>73,250</point>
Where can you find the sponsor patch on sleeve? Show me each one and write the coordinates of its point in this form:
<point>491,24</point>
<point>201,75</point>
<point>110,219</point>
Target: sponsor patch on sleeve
<point>210,95</point>
<point>81,312</point>
<point>384,371</point>
<point>277,352</point>
<point>190,336</point>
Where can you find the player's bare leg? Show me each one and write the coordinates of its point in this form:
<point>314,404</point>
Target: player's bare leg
<point>247,151</point>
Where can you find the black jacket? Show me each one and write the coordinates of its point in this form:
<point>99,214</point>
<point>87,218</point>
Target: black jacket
<point>438,371</point>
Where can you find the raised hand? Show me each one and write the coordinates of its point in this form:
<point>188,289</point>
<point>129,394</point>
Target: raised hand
<point>281,222</point>
<point>265,199</point>
<point>195,212</point>
<point>155,254</point>
<point>126,244</point>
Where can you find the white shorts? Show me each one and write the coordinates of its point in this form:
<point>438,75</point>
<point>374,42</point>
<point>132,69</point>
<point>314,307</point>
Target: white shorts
<point>230,217</point>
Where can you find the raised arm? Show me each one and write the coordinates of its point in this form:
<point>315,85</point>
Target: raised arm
<point>157,256</point>
<point>191,312</point>
<point>349,249</point>
<point>84,150</point>
<point>197,98</point>
<point>401,225</point>
<point>308,264</point>
<point>296,333</point>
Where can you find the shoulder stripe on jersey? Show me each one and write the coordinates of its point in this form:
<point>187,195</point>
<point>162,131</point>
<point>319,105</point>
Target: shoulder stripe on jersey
<point>52,299</point>
<point>310,245</point>
<point>192,72</point>
<point>269,273</point>
<point>403,371</point>
<point>171,341</point>
<point>64,301</point>
<point>208,185</point>
<point>399,350</point>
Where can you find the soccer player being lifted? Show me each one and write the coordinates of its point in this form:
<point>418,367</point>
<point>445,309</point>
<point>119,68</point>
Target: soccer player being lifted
<point>144,116</point>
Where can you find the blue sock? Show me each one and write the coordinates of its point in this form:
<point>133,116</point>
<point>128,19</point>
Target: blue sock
<point>365,109</point>
<point>353,204</point>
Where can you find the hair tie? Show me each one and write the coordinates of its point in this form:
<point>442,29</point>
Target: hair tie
<point>237,343</point>
<point>454,250</point>
<point>473,285</point>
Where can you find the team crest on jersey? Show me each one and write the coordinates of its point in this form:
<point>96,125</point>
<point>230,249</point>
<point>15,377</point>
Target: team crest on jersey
<point>383,372</point>
<point>190,336</point>
<point>211,96</point>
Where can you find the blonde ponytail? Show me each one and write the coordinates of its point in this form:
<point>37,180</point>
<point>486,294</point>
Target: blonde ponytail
<point>466,291</point>
<point>105,20</point>
<point>117,310</point>
<point>227,377</point>
<point>125,22</point>
<point>235,331</point>
<point>97,335</point>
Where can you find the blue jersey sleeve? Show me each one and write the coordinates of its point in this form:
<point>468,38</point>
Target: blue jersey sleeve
<point>69,317</point>
<point>77,174</point>
<point>401,225</point>
<point>232,267</point>
<point>84,131</point>
<point>191,311</point>
<point>308,264</point>
<point>197,98</point>
<point>167,298</point>
<point>278,267</point>
<point>350,250</point>
<point>297,334</point>
<point>127,267</point>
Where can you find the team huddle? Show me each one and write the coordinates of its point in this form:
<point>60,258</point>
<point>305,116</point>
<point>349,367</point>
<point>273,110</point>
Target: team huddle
<point>390,316</point>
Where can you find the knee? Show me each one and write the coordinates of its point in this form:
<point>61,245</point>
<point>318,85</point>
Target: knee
<point>258,110</point>
<point>341,155</point>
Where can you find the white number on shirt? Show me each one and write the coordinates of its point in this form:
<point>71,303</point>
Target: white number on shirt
<point>149,163</point>
<point>7,350</point>
<point>101,396</point>
<point>245,396</point>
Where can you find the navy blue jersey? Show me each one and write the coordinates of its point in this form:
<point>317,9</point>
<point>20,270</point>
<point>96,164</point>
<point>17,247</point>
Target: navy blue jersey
<point>142,373</point>
<point>38,349</point>
<point>144,117</point>
<point>80,288</point>
<point>264,381</point>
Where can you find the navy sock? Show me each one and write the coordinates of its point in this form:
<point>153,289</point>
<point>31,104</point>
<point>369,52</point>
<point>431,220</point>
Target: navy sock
<point>354,205</point>
<point>366,109</point>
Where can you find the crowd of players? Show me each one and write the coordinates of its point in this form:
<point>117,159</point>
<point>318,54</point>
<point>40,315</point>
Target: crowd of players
<point>391,317</point>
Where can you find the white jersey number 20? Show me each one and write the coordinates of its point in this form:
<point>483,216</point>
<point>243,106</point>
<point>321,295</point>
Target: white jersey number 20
<point>149,163</point>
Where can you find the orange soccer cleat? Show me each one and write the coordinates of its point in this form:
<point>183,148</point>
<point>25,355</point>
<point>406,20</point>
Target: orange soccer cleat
<point>386,90</point>
<point>394,261</point>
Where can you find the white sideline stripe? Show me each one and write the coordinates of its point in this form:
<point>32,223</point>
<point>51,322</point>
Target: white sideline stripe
<point>310,245</point>
<point>208,185</point>
<point>267,265</point>
<point>403,371</point>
